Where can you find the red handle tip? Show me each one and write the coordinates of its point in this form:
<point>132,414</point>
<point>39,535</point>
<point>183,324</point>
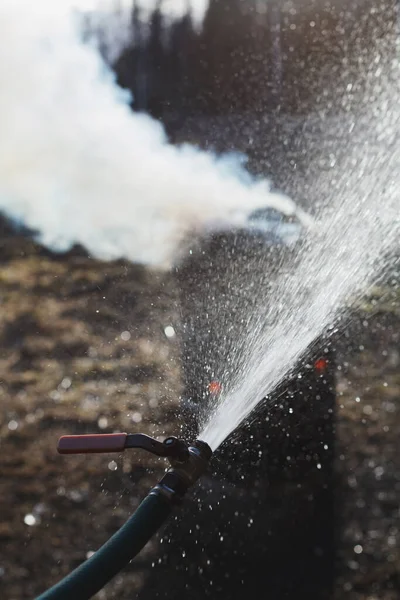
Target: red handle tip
<point>97,442</point>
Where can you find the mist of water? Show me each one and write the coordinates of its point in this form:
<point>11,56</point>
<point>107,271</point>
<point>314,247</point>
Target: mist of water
<point>355,235</point>
<point>77,166</point>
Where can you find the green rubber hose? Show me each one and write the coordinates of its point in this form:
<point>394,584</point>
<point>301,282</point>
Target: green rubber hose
<point>114,555</point>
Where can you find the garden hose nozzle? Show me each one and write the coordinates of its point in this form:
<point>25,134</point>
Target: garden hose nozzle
<point>188,461</point>
<point>187,464</point>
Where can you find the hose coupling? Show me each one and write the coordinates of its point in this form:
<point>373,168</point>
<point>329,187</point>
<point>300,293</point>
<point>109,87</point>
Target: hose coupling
<point>183,474</point>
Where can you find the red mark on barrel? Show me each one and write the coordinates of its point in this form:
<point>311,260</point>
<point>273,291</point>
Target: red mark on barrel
<point>321,364</point>
<point>214,387</point>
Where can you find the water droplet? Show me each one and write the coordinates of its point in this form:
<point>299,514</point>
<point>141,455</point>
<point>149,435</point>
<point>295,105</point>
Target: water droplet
<point>30,520</point>
<point>358,549</point>
<point>102,422</point>
<point>136,417</point>
<point>39,509</point>
<point>66,383</point>
<point>13,425</point>
<point>55,395</point>
<point>347,586</point>
<point>126,336</point>
<point>75,495</point>
<point>169,331</point>
<point>112,465</point>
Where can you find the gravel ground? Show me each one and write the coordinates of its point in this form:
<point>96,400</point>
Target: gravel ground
<point>82,348</point>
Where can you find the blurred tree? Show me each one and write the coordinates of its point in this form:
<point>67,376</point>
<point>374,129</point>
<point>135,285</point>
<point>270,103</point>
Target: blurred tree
<point>299,56</point>
<point>226,56</point>
<point>183,61</point>
<point>131,67</point>
<point>157,75</point>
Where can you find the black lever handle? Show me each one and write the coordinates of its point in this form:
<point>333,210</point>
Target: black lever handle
<point>171,447</point>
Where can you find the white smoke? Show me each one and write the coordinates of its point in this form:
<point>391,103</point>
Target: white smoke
<point>78,166</point>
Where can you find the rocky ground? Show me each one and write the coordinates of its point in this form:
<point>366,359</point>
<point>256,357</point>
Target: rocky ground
<point>83,348</point>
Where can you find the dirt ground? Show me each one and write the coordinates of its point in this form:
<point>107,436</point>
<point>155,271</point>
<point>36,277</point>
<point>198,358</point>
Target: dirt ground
<point>83,349</point>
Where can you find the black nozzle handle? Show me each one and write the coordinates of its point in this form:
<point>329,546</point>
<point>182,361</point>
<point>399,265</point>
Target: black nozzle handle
<point>171,447</point>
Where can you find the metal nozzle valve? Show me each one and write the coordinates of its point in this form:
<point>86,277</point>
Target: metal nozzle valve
<point>182,475</point>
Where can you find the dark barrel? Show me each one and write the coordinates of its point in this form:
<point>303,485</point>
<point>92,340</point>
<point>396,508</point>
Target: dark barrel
<point>266,513</point>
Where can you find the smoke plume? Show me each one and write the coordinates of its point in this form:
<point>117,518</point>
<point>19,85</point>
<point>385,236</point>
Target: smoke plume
<point>78,166</point>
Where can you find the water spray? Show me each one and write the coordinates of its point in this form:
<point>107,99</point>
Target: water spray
<point>188,462</point>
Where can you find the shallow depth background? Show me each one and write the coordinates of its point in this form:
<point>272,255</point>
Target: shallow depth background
<point>82,343</point>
